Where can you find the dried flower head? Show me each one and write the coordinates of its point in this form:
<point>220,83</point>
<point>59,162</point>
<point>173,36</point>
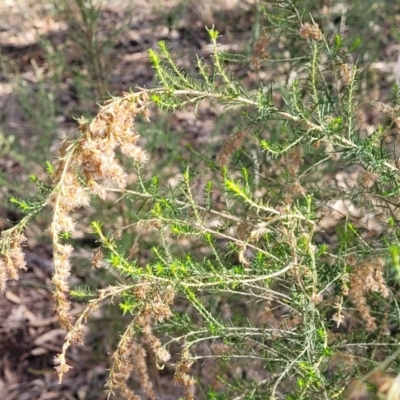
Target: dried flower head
<point>293,161</point>
<point>233,143</point>
<point>367,179</point>
<point>182,374</point>
<point>296,189</point>
<point>260,52</point>
<point>130,356</point>
<point>365,277</point>
<point>331,151</point>
<point>310,31</point>
<point>347,73</point>
<point>97,258</point>
<point>12,257</point>
<point>387,109</point>
<point>88,166</point>
<point>61,365</point>
<point>316,298</point>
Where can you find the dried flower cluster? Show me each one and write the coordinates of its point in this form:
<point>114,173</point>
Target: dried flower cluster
<point>233,143</point>
<point>12,258</point>
<point>292,163</point>
<point>294,160</point>
<point>183,376</point>
<point>388,110</point>
<point>365,277</point>
<point>260,52</point>
<point>76,334</point>
<point>310,31</point>
<point>347,73</point>
<point>130,355</point>
<point>367,179</point>
<point>86,167</point>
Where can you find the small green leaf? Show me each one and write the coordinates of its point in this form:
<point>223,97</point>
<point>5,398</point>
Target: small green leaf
<point>49,168</point>
<point>154,58</point>
<point>338,42</point>
<point>96,226</point>
<point>355,45</point>
<point>213,33</point>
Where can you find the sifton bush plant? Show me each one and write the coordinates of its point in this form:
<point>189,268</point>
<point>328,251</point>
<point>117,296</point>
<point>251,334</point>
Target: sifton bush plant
<point>263,264</point>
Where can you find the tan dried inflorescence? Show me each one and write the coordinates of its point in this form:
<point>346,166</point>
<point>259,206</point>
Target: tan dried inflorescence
<point>347,73</point>
<point>130,356</point>
<point>12,258</point>
<point>88,166</point>
<point>233,143</point>
<point>183,376</point>
<point>310,31</point>
<point>75,336</point>
<point>367,179</point>
<point>294,161</point>
<point>260,50</point>
<point>367,276</point>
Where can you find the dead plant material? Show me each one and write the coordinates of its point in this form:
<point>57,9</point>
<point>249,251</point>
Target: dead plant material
<point>365,277</point>
<point>233,144</point>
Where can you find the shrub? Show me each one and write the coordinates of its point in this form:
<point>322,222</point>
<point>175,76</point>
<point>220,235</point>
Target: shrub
<point>262,262</point>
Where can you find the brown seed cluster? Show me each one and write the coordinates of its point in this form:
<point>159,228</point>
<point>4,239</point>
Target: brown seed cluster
<point>367,179</point>
<point>86,167</point>
<point>13,258</point>
<point>260,50</point>
<point>233,143</point>
<point>310,31</point>
<point>347,73</point>
<point>130,356</point>
<point>338,316</point>
<point>156,308</point>
<point>367,276</point>
<point>183,376</point>
<point>292,163</point>
<point>92,158</point>
<point>97,258</point>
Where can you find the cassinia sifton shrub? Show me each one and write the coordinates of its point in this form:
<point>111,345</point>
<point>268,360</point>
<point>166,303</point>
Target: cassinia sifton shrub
<point>263,263</point>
